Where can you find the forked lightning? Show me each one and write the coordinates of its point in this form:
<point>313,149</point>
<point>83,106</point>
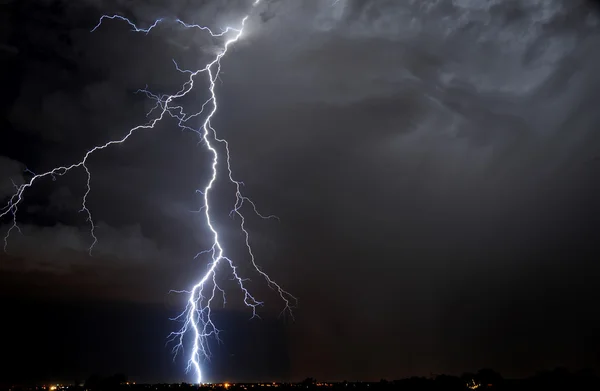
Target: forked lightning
<point>196,318</point>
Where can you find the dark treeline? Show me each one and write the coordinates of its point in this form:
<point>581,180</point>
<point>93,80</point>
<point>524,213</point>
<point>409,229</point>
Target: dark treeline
<point>485,379</point>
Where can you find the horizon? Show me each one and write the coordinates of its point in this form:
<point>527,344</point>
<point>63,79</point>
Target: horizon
<point>468,378</point>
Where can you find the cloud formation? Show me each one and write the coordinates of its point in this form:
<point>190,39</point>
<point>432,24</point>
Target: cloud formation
<point>436,155</point>
<point>56,249</point>
<point>11,174</point>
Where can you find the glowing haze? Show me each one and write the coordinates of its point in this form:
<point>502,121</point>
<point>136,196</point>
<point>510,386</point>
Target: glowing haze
<point>198,325</point>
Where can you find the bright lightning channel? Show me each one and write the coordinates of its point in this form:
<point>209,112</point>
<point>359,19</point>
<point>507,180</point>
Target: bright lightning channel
<point>196,317</point>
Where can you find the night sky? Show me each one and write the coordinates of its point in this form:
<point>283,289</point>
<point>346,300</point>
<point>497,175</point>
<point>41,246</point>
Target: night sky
<point>435,166</point>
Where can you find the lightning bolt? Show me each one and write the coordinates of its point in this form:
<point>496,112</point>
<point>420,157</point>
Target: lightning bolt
<point>196,317</point>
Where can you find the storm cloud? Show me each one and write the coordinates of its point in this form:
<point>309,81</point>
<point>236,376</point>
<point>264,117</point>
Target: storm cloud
<point>434,165</point>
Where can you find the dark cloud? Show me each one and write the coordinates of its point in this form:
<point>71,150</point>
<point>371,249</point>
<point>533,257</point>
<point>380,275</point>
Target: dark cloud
<point>434,165</point>
<point>56,249</point>
<point>11,173</point>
